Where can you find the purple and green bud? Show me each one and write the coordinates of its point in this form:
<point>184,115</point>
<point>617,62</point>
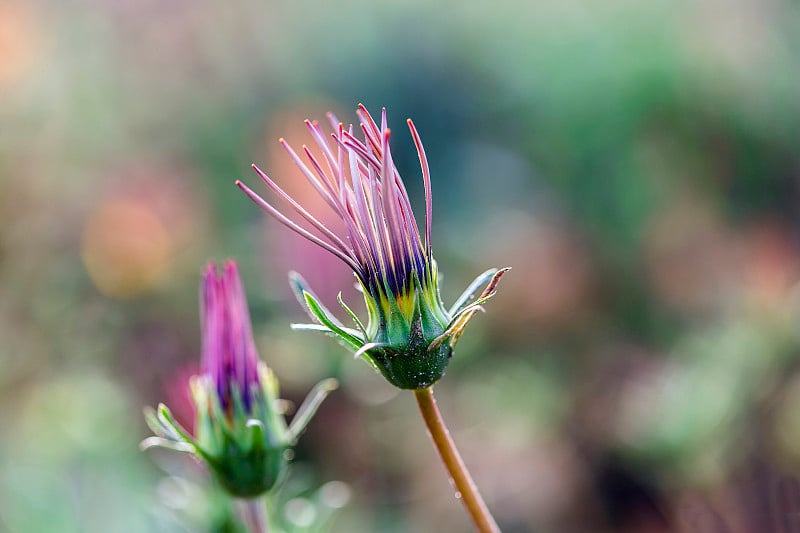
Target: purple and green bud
<point>241,433</point>
<point>410,334</point>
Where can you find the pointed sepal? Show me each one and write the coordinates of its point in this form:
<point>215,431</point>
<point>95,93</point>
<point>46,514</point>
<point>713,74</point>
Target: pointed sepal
<point>300,289</point>
<point>170,435</point>
<point>463,317</point>
<point>471,289</point>
<point>309,407</point>
<point>348,336</point>
<point>159,442</point>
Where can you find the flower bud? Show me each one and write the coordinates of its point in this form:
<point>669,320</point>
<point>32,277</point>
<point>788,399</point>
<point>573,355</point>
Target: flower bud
<point>241,433</point>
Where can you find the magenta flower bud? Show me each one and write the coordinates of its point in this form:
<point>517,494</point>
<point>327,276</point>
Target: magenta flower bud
<point>241,433</point>
<point>229,357</point>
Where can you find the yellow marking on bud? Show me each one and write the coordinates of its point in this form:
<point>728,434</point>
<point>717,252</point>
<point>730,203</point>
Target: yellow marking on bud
<point>405,302</point>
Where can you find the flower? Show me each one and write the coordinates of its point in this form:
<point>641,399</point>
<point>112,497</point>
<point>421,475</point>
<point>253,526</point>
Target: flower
<point>241,432</point>
<point>410,334</point>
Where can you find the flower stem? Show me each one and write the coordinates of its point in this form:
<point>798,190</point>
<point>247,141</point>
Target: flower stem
<point>253,515</point>
<point>466,490</point>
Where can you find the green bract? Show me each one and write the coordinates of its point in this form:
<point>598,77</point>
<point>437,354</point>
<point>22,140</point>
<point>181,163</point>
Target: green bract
<point>245,450</point>
<point>409,337</point>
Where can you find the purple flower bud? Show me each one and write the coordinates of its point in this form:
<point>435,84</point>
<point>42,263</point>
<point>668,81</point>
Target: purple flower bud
<point>240,431</point>
<point>229,356</point>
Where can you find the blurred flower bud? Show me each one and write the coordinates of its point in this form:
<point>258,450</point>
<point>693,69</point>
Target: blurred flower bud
<point>241,433</point>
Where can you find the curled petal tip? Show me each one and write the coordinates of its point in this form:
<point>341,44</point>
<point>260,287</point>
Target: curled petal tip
<point>495,280</point>
<point>329,385</point>
<point>150,442</point>
<point>158,442</point>
<point>309,406</point>
<point>297,282</point>
<point>230,265</point>
<point>367,347</point>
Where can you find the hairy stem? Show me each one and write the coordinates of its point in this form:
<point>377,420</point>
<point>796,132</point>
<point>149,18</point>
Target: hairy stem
<point>466,490</point>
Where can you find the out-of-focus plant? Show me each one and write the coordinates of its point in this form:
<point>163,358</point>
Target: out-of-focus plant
<point>410,335</point>
<point>297,505</point>
<point>241,434</point>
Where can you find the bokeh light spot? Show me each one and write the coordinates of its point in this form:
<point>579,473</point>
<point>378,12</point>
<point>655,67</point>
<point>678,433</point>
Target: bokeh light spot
<point>126,248</point>
<point>19,43</point>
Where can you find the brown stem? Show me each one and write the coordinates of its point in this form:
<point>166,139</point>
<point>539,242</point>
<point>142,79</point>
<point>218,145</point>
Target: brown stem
<point>466,489</point>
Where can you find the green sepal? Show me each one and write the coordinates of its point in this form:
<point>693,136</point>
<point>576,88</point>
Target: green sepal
<point>157,427</point>
<point>247,471</point>
<point>300,288</point>
<point>244,448</point>
<point>164,416</point>
<point>350,312</point>
<point>258,435</point>
<point>462,318</point>
<point>309,407</point>
<point>409,364</point>
<point>403,339</point>
<point>320,313</point>
<point>470,291</point>
<point>159,442</point>
<point>244,443</point>
<point>169,434</point>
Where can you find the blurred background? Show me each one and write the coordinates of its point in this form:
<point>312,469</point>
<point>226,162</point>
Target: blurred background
<point>636,163</point>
